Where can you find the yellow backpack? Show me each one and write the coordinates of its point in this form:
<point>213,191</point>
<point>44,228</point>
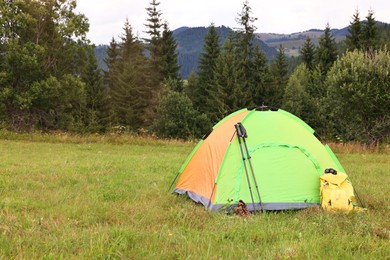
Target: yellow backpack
<point>336,191</point>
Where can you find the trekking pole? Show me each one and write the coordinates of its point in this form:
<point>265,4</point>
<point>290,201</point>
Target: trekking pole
<point>239,135</point>
<point>244,135</point>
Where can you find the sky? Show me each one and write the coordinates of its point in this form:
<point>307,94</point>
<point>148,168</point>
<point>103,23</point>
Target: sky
<point>107,17</point>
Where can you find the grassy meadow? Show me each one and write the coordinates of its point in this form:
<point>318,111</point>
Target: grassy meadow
<point>66,197</point>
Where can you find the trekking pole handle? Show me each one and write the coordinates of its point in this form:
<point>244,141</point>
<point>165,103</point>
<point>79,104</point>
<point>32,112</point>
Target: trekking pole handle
<point>239,140</point>
<point>241,131</point>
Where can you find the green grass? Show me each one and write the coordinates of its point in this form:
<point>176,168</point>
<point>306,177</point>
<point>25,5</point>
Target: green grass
<point>107,197</point>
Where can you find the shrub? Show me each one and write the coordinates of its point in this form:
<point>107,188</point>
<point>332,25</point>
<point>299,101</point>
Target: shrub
<point>359,96</point>
<point>178,119</point>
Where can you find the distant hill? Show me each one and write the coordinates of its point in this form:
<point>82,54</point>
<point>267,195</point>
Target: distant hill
<point>294,41</point>
<point>100,52</point>
<point>190,41</point>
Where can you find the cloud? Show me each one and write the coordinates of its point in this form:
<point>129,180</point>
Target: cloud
<point>278,16</point>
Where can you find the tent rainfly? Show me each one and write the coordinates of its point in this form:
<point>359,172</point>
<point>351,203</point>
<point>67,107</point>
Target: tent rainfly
<point>275,165</point>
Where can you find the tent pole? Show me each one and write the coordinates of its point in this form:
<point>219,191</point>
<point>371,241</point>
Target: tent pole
<point>212,192</point>
<point>239,135</point>
<point>173,181</point>
<point>358,197</point>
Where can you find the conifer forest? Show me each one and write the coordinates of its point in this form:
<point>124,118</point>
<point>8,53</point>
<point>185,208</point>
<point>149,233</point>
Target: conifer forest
<point>50,79</point>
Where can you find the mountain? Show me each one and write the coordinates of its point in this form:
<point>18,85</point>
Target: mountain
<point>190,43</point>
<point>100,53</point>
<point>294,41</point>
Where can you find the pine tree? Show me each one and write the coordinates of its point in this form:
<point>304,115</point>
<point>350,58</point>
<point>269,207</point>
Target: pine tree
<point>279,70</point>
<point>97,110</point>
<point>326,52</point>
<point>112,56</point>
<point>206,91</point>
<point>112,53</point>
<point>169,65</point>
<point>261,78</point>
<point>244,51</point>
<point>370,36</point>
<point>154,26</point>
<point>228,76</point>
<point>308,53</point>
<point>190,85</point>
<point>246,32</point>
<point>354,36</point>
<point>130,92</point>
<point>112,61</point>
<point>156,61</point>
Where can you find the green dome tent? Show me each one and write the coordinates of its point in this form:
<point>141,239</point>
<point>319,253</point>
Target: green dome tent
<point>282,170</point>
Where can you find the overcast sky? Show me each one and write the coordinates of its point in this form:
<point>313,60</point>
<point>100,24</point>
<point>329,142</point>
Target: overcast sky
<point>106,17</point>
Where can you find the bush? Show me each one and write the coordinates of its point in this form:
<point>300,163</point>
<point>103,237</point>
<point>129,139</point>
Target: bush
<point>359,96</point>
<point>178,119</point>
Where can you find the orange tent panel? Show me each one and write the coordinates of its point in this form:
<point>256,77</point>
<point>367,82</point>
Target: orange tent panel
<point>201,171</point>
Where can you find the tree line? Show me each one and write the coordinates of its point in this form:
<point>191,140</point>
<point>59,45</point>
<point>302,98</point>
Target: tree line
<point>50,80</point>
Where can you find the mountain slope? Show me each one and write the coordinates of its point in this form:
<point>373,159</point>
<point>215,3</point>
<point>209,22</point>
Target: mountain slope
<point>190,43</point>
<point>294,41</point>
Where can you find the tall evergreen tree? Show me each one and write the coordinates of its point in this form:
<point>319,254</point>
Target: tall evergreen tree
<point>370,36</point>
<point>130,92</point>
<point>112,53</point>
<point>326,52</point>
<point>154,26</point>
<point>157,63</point>
<point>112,62</point>
<point>207,94</point>
<point>97,110</point>
<point>308,53</point>
<point>354,37</point>
<point>169,65</point>
<point>246,31</point>
<point>261,78</point>
<point>325,55</point>
<point>279,70</point>
<point>228,76</point>
<point>190,85</point>
<point>112,56</point>
<point>244,50</point>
